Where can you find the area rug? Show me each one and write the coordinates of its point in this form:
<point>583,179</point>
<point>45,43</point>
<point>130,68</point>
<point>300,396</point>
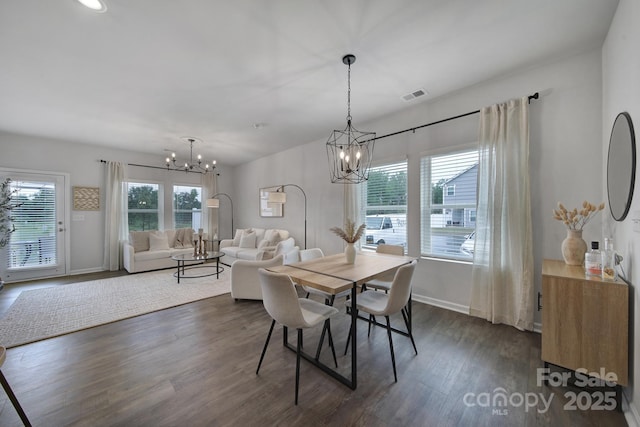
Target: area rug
<point>49,312</point>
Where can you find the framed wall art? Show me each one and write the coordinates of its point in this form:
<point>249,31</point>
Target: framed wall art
<point>86,198</point>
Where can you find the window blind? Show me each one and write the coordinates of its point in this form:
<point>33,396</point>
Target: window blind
<point>448,204</point>
<point>385,205</point>
<point>33,243</point>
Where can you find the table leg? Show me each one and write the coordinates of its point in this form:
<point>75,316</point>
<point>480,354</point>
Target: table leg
<point>351,383</point>
<point>179,270</point>
<point>354,341</point>
<point>218,268</point>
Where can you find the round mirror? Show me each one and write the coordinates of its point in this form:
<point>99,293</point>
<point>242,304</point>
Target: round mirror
<point>621,166</point>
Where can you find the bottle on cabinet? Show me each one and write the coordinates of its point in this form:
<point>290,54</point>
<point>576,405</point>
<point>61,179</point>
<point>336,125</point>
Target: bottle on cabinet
<point>609,271</point>
<point>593,261</point>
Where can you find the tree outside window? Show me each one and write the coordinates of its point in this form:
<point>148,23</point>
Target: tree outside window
<point>142,206</point>
<point>187,206</point>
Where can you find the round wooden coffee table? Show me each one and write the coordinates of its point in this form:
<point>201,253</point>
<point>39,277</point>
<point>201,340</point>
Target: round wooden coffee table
<point>195,262</point>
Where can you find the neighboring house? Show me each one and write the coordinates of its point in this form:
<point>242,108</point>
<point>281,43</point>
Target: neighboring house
<point>461,191</point>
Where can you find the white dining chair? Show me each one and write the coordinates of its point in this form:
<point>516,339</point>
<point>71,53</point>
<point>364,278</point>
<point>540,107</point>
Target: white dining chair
<point>292,256</point>
<point>313,253</point>
<point>383,282</point>
<point>281,301</point>
<point>7,389</point>
<point>386,304</point>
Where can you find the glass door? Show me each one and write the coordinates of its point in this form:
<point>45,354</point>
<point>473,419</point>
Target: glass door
<point>37,245</point>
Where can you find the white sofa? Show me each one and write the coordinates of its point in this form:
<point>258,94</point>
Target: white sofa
<point>256,244</point>
<point>245,282</point>
<point>152,250</point>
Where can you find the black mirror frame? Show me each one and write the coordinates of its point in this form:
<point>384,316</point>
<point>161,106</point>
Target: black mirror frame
<point>633,166</point>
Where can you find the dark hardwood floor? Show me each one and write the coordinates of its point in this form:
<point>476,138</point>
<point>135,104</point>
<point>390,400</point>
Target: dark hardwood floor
<point>194,365</point>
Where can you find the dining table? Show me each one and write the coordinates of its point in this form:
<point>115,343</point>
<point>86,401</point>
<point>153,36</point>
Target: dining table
<point>333,274</point>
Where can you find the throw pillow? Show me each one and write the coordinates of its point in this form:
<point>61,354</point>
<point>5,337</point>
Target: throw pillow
<point>188,238</point>
<point>237,237</point>
<point>264,243</point>
<point>158,241</point>
<point>248,240</point>
<point>179,239</point>
<point>139,240</point>
<point>171,237</point>
<point>275,238</point>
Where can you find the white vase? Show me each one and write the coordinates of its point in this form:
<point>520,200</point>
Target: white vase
<point>350,253</point>
<point>574,248</point>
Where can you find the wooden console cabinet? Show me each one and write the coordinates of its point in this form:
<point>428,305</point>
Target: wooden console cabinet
<point>585,321</point>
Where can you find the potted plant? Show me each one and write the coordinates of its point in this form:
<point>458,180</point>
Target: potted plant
<point>573,246</point>
<point>6,220</point>
<point>350,235</point>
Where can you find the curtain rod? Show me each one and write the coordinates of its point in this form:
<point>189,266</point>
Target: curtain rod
<point>413,129</point>
<point>158,167</point>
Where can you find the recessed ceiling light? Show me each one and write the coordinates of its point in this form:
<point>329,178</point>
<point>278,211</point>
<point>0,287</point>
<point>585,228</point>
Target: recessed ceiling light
<point>95,5</point>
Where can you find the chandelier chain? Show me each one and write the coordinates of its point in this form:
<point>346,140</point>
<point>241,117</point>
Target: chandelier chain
<point>349,95</point>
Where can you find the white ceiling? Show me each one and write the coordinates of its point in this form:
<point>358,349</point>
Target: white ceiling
<point>148,72</point>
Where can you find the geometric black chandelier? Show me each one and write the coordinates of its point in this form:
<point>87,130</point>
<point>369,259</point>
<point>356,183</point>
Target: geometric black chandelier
<point>349,151</point>
<point>190,166</point>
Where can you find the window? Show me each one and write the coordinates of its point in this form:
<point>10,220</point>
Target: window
<point>33,243</point>
<point>187,206</point>
<point>385,205</point>
<point>142,206</point>
<point>448,204</point>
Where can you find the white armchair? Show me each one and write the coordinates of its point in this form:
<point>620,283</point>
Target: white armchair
<point>245,282</point>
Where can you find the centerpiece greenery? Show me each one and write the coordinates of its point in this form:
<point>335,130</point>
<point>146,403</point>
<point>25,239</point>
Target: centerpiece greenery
<point>350,233</point>
<point>576,219</point>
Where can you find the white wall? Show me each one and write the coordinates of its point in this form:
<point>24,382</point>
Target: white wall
<point>82,164</point>
<point>621,92</point>
<point>565,159</point>
<point>565,131</point>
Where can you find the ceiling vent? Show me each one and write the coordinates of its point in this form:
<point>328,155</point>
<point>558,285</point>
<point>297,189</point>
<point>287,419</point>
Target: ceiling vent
<point>413,95</point>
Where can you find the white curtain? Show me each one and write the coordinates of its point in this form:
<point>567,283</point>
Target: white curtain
<point>502,290</point>
<point>353,206</point>
<point>209,215</point>
<point>116,227</point>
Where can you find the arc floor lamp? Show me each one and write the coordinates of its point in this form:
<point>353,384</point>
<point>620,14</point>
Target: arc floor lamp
<point>215,204</point>
<point>280,196</point>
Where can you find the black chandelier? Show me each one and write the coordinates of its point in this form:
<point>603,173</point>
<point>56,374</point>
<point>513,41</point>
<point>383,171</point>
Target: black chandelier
<point>349,151</point>
<point>190,166</point>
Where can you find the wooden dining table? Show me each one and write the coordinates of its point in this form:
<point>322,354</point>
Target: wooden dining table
<point>332,274</point>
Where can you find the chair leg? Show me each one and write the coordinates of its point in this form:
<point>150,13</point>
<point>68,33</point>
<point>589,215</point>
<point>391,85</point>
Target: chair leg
<point>371,319</point>
<point>308,293</point>
<point>393,357</point>
<point>406,322</point>
<point>298,363</point>
<point>333,348</point>
<point>346,347</point>
<point>324,330</point>
<point>264,350</point>
<point>14,400</point>
<point>327,328</point>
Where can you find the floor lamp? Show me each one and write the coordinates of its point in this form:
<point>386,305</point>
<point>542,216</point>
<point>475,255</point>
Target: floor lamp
<point>215,204</point>
<point>280,196</point>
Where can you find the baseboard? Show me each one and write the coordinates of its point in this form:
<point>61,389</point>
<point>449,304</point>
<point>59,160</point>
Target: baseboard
<point>537,327</point>
<point>86,271</point>
<point>442,304</point>
<point>459,308</point>
<point>631,414</point>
